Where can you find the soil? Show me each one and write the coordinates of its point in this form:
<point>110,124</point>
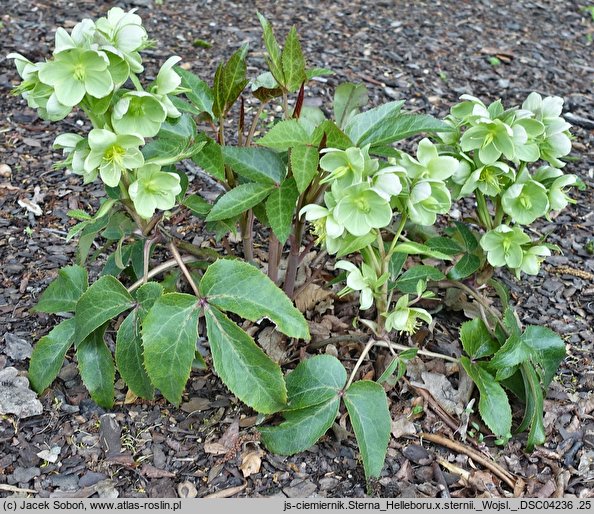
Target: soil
<point>426,52</point>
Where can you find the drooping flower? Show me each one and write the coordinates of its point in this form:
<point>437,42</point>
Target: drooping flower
<point>76,149</point>
<point>532,259</point>
<point>112,154</point>
<point>348,167</point>
<point>489,179</point>
<point>153,189</point>
<point>364,280</point>
<point>76,72</point>
<point>503,245</point>
<point>525,201</point>
<point>406,319</point>
<point>386,182</point>
<point>139,113</point>
<point>427,199</point>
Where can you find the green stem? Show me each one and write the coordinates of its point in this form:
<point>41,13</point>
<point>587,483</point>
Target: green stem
<point>396,236</point>
<point>254,124</point>
<point>498,213</point>
<point>483,211</point>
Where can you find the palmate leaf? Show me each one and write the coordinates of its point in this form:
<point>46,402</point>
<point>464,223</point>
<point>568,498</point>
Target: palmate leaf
<point>280,208</point>
<point>63,293</point>
<point>477,340</point>
<point>104,300</point>
<point>244,368</point>
<point>465,267</point>
<point>210,159</point>
<point>97,371</point>
<point>361,126</point>
<point>238,200</point>
<point>239,287</point>
<point>169,335</point>
<point>407,283</point>
<point>367,406</point>
<point>200,94</point>
<point>256,164</point>
<point>49,353</point>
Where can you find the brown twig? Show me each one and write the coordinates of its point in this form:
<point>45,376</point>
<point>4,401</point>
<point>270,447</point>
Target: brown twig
<point>503,474</point>
<point>183,267</point>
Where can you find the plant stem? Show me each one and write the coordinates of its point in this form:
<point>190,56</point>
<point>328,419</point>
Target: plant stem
<point>254,124</point>
<point>172,263</point>
<point>483,211</point>
<point>183,267</point>
<point>364,353</point>
<point>247,235</point>
<point>498,213</point>
<point>274,251</point>
<point>397,235</point>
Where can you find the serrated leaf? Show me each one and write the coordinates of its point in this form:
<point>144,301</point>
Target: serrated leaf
<point>444,245</point>
<point>200,94</point>
<point>407,283</point>
<point>301,428</point>
<point>48,355</point>
<point>335,138</point>
<point>280,208</point>
<point>273,48</point>
<point>396,263</point>
<point>284,135</point>
<point>210,159</point>
<point>169,335</point>
<point>367,406</point>
<point>412,248</point>
<point>493,403</point>
<point>63,293</point>
<point>79,214</point>
<point>230,79</point>
<point>239,287</point>
<point>469,239</point>
<point>112,267</point>
<point>533,413</point>
<point>104,300</point>
<point>511,354</point>
<point>244,368</point>
<point>97,371</point>
<point>318,72</point>
<point>401,127</point>
<point>293,62</point>
<point>137,257</point>
<point>304,164</point>
<point>129,357</point>
<point>362,125</point>
<point>314,381</point>
<point>476,339</point>
<point>348,99</point>
<point>165,151</point>
<point>265,87</point>
<point>238,200</point>
<point>180,128</point>
<point>398,362</point>
<point>146,296</point>
<point>465,267</point>
<point>256,164</point>
<point>548,350</point>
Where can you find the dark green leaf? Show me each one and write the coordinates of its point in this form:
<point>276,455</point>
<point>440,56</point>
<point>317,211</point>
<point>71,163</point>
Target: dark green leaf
<point>469,239</point>
<point>353,244</point>
<point>318,72</point>
<point>367,405</point>
<point>63,293</point>
<point>244,368</point>
<point>413,248</point>
<point>476,339</point>
<point>335,138</point>
<point>97,371</point>
<point>513,352</point>
<point>548,350</point>
<point>255,164</point>
<point>238,200</point>
<point>533,414</point>
<point>348,99</point>
<point>501,290</point>
<point>146,296</point>
<point>49,353</point>
<point>210,159</point>
<point>465,267</point>
<point>301,428</point>
<point>198,205</point>
<point>181,128</point>
<point>314,381</point>
<point>280,208</point>
<point>169,335</point>
<point>273,48</point>
<point>230,79</point>
<point>493,404</point>
<point>444,245</point>
<point>398,362</point>
<point>236,286</point>
<point>304,164</point>
<point>408,281</point>
<point>396,263</point>
<point>111,266</point>
<point>293,62</point>
<point>284,135</point>
<point>362,125</point>
<point>104,300</point>
<point>265,87</point>
<point>200,93</point>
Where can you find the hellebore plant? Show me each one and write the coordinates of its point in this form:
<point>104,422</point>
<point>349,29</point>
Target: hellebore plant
<point>363,197</point>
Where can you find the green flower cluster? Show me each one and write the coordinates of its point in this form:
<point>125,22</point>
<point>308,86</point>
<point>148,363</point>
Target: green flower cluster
<point>496,147</point>
<point>90,67</point>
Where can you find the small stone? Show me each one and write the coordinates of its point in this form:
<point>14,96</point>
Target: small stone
<point>16,348</point>
<point>68,372</point>
<point>25,475</point>
<point>417,454</point>
<point>65,482</point>
<point>89,408</point>
<point>302,489</point>
<point>187,490</point>
<point>109,435</point>
<point>5,170</point>
<point>16,397</point>
<point>91,478</point>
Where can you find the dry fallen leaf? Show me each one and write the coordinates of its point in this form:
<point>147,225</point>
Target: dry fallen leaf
<point>30,206</point>
<point>130,397</point>
<point>403,426</point>
<point>273,343</point>
<point>310,295</point>
<point>251,462</point>
<point>153,472</point>
<point>227,441</point>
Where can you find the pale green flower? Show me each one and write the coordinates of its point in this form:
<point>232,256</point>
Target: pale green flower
<point>361,209</point>
<point>532,259</point>
<point>166,83</point>
<point>429,164</point>
<point>492,138</point>
<point>76,72</point>
<point>504,246</point>
<point>364,280</point>
<point>76,150</point>
<point>153,189</point>
<point>348,167</point>
<point>406,319</point>
<point>488,179</point>
<point>81,37</point>
<point>112,154</point>
<point>525,201</point>
<point>139,113</point>
<point>387,182</point>
<point>427,199</point>
<point>314,212</point>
